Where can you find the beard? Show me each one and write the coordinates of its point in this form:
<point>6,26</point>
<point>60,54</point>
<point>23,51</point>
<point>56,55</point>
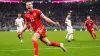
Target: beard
<point>29,9</point>
<point>69,18</point>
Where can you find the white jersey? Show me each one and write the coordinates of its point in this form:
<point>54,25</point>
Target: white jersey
<point>68,22</point>
<point>69,26</point>
<point>19,21</point>
<point>20,24</point>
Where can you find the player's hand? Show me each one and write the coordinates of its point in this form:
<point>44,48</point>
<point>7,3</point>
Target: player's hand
<point>57,24</point>
<point>18,25</point>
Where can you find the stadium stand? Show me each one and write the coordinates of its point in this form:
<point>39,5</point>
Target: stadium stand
<point>56,11</point>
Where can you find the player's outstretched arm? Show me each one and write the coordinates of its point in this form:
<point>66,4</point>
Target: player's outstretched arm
<point>49,20</point>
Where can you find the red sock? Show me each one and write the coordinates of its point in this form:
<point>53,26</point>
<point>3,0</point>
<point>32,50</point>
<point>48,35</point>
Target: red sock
<point>94,35</point>
<point>35,43</point>
<point>54,44</point>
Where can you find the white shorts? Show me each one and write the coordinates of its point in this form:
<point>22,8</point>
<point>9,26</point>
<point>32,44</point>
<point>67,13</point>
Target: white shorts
<point>70,30</point>
<point>20,28</point>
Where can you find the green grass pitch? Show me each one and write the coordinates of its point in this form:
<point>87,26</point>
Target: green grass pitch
<point>83,45</point>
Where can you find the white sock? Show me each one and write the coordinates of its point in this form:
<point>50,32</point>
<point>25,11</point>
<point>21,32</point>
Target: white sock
<point>66,36</point>
<point>69,37</point>
<point>72,36</point>
<point>21,41</point>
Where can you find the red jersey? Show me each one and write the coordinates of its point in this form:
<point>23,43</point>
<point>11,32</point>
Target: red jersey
<point>34,19</point>
<point>89,24</point>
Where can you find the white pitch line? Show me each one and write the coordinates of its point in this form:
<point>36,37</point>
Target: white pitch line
<point>46,49</point>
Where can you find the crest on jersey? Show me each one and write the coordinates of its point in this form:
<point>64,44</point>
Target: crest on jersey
<point>34,14</point>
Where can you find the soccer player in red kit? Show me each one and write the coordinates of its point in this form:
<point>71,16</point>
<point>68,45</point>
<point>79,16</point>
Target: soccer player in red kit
<point>34,17</point>
<point>90,27</point>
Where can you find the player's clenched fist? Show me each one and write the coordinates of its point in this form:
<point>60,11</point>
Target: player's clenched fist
<point>57,24</point>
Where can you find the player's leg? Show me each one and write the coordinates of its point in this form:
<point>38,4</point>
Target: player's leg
<point>94,34</point>
<point>69,39</point>
<point>72,37</point>
<point>18,35</point>
<point>70,31</point>
<point>67,35</point>
<point>18,30</point>
<point>91,33</point>
<point>35,37</point>
<point>49,43</point>
<point>21,36</point>
<point>70,34</point>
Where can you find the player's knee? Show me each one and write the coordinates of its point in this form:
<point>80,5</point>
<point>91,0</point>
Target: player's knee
<point>48,44</point>
<point>34,39</point>
<point>69,33</point>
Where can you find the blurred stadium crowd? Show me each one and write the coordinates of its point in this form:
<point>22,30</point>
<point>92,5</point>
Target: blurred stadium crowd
<point>55,11</point>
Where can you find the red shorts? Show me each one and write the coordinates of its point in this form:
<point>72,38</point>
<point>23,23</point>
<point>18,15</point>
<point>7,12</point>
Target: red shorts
<point>91,30</point>
<point>41,31</point>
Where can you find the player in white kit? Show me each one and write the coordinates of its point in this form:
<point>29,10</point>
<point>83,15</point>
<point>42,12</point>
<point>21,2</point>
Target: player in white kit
<point>19,22</point>
<point>69,35</point>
